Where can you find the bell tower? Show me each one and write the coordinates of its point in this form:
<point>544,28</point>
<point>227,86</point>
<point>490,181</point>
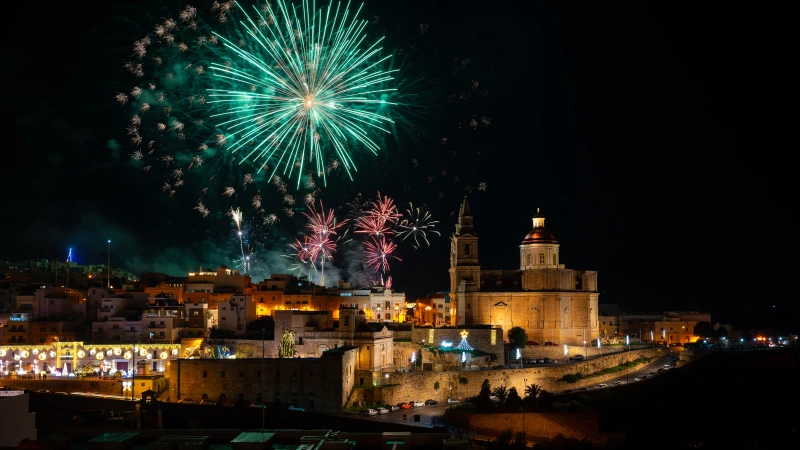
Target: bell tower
<point>465,272</point>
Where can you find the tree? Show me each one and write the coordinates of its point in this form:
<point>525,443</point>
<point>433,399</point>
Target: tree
<point>704,330</point>
<point>513,400</point>
<point>533,390</point>
<point>486,389</point>
<point>501,392</point>
<point>517,337</point>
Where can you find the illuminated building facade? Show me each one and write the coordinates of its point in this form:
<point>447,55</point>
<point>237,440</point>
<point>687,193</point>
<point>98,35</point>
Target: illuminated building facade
<point>551,302</point>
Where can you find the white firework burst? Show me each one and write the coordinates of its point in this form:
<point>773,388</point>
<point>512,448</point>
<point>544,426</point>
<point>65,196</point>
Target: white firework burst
<point>229,191</point>
<point>201,208</point>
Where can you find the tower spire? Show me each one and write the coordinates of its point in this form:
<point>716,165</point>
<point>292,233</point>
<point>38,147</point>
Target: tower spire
<point>464,225</point>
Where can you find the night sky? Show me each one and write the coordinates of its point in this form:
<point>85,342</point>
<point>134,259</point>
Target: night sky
<point>653,137</point>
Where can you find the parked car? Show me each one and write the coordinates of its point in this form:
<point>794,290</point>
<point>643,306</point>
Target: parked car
<point>529,361</point>
<point>616,383</point>
<point>62,393</point>
<point>660,370</point>
<point>416,403</point>
<point>547,360</point>
<point>382,410</point>
<point>583,389</point>
<point>295,408</point>
<point>469,400</point>
<point>651,373</point>
<point>602,385</point>
<point>431,402</point>
<point>371,412</point>
<point>404,405</point>
<point>531,343</point>
<point>452,401</point>
<point>576,358</point>
<point>638,379</point>
<point>494,398</point>
<point>540,361</point>
<point>550,344</point>
<point>207,402</point>
<point>257,405</point>
<point>566,391</point>
<point>393,408</point>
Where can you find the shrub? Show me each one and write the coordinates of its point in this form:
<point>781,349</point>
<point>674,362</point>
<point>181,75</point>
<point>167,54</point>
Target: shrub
<point>436,385</point>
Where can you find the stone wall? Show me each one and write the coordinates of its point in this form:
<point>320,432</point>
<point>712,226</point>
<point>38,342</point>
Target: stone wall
<point>543,425</point>
<point>403,387</point>
<point>66,385</point>
<point>313,383</point>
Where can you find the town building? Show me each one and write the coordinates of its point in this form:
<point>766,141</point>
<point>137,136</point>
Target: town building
<point>317,332</point>
<point>552,303</point>
<point>215,286</point>
<point>236,314</point>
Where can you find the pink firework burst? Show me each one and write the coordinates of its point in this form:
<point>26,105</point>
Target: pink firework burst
<point>378,251</point>
<point>379,216</point>
<point>322,223</point>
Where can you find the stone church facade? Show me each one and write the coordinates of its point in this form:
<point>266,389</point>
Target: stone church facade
<point>552,303</point>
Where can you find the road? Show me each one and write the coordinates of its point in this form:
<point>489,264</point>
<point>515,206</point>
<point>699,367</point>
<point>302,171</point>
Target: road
<point>629,377</point>
<point>426,413</point>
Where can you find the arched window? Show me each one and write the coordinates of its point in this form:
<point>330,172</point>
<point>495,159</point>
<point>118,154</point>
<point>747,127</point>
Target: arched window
<point>529,260</point>
<point>541,259</point>
<point>467,250</point>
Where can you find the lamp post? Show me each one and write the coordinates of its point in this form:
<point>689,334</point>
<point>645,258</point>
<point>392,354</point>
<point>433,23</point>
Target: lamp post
<point>263,376</point>
<point>108,276</point>
<point>524,388</point>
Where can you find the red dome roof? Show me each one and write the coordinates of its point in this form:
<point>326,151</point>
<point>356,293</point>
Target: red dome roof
<point>539,236</point>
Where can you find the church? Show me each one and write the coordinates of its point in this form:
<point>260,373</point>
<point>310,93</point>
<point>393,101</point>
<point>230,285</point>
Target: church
<point>552,303</point>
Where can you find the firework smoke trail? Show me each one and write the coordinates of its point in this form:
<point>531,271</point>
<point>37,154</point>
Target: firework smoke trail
<point>417,223</point>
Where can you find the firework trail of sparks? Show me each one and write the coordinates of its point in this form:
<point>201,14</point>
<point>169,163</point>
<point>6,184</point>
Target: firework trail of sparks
<point>236,216</point>
<point>417,223</point>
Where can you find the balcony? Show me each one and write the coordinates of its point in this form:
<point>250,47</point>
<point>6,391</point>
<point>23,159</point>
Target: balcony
<point>154,325</point>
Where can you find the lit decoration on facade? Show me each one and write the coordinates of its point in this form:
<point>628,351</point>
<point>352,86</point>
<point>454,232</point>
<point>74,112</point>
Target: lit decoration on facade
<point>42,356</point>
<point>519,354</point>
<point>446,344</point>
<point>35,351</point>
<point>463,357</point>
<point>493,337</point>
<point>286,348</point>
<point>100,355</point>
<point>464,345</point>
<point>92,351</point>
<point>127,355</point>
<point>81,354</point>
<point>430,335</point>
<point>163,355</point>
<point>109,353</point>
<point>566,350</point>
<point>117,351</point>
<point>174,351</point>
<point>142,352</point>
<point>413,357</point>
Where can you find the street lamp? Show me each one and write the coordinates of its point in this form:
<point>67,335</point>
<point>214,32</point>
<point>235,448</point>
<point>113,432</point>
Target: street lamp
<point>525,380</point>
<point>108,277</point>
<point>263,376</point>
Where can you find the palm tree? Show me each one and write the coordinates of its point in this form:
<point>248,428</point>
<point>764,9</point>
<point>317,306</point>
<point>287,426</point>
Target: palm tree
<point>534,390</point>
<point>501,392</point>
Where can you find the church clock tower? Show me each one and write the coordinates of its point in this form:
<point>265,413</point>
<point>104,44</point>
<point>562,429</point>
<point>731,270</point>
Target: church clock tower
<point>464,269</point>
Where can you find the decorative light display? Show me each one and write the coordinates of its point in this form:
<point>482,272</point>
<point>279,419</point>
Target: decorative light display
<point>464,345</point>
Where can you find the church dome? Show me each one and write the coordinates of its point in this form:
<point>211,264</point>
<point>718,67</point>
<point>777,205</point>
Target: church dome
<point>539,235</point>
